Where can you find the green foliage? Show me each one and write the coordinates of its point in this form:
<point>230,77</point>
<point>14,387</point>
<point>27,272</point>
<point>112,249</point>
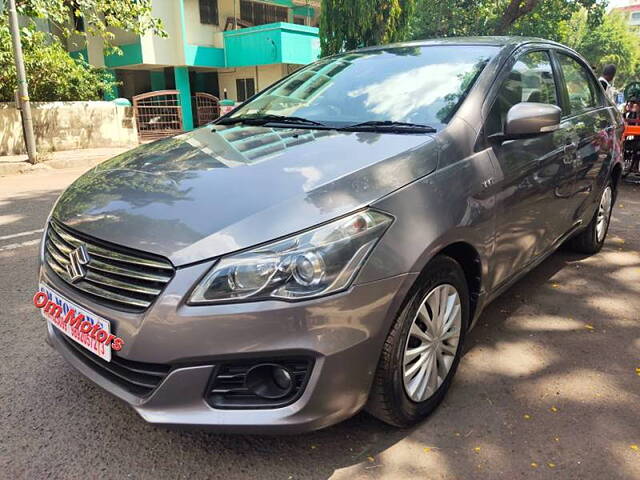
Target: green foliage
<point>52,73</point>
<point>549,19</point>
<point>349,24</point>
<point>580,24</point>
<point>612,42</point>
<point>100,18</point>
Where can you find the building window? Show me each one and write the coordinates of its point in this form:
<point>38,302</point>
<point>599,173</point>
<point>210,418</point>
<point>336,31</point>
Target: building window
<point>209,12</point>
<point>78,22</point>
<point>257,13</point>
<point>299,20</point>
<point>245,88</point>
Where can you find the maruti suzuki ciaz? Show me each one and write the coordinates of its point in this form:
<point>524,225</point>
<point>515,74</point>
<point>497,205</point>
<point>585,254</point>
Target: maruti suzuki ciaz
<point>327,245</point>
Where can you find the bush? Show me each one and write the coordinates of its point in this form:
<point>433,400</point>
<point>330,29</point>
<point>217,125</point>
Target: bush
<point>51,72</point>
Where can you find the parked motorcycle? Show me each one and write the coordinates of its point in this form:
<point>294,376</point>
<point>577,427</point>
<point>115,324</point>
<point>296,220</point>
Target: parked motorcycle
<point>631,135</point>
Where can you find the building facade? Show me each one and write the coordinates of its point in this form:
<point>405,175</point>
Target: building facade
<point>227,48</point>
<point>631,10</point>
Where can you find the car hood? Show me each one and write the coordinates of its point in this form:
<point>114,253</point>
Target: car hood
<point>219,189</point>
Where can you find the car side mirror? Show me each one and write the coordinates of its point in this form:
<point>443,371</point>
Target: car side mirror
<point>529,119</point>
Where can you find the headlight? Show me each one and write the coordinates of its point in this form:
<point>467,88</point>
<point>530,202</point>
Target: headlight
<point>317,262</point>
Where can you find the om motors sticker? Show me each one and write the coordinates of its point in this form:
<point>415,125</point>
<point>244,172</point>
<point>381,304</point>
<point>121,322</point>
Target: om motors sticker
<point>85,328</point>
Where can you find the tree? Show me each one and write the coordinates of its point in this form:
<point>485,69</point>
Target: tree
<point>52,73</point>
<point>580,24</point>
<point>96,18</point>
<point>349,24</point>
<point>612,42</point>
<point>544,18</point>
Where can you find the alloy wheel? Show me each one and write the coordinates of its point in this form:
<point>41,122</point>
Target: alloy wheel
<point>432,344</point>
<point>604,213</point>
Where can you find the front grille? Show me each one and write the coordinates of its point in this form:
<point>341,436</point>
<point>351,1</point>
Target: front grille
<point>227,386</point>
<point>135,377</point>
<point>119,278</point>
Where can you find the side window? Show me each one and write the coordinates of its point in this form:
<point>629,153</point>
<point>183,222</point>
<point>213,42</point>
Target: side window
<point>580,86</point>
<point>530,80</point>
<point>245,88</point>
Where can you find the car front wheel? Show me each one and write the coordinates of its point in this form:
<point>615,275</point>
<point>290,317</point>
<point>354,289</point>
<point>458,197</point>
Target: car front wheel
<point>423,348</point>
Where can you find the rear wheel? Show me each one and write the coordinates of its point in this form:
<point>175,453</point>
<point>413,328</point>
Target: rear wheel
<point>628,158</point>
<point>631,156</point>
<point>592,238</point>
<point>423,348</point>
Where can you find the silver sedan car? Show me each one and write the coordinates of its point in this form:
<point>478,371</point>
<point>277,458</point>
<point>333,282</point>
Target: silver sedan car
<point>327,246</point>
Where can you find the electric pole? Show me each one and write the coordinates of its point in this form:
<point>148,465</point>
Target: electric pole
<point>23,91</point>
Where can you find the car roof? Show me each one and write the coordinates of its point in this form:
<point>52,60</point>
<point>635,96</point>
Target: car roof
<point>506,41</point>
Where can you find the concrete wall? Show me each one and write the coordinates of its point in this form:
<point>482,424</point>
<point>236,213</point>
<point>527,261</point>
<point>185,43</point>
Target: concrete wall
<point>269,74</point>
<point>165,51</point>
<point>201,33</point>
<point>263,75</point>
<point>68,126</point>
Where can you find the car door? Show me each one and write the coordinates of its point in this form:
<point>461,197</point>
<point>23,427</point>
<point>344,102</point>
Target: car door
<point>589,129</point>
<point>535,179</point>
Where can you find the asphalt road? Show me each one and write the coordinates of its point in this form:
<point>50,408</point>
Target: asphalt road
<point>549,386</point>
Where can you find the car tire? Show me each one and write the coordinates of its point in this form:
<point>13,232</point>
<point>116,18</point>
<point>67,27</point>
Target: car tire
<point>403,403</point>
<point>592,238</point>
<point>630,157</point>
<point>626,167</point>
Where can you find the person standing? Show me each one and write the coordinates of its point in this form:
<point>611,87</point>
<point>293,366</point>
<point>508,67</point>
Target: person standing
<point>606,80</point>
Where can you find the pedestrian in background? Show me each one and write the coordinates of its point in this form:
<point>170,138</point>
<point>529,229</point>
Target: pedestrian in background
<point>606,80</point>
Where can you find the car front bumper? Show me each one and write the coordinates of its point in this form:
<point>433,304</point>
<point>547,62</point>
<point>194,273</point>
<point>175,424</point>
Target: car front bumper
<point>343,333</point>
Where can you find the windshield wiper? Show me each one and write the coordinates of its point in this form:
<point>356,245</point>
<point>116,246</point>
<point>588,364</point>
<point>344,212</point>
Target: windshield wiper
<point>388,126</point>
<point>264,119</point>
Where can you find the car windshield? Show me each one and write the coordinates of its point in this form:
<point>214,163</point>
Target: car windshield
<point>420,85</point>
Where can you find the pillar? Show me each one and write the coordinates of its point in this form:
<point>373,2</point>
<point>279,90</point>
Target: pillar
<point>181,74</point>
<point>112,93</point>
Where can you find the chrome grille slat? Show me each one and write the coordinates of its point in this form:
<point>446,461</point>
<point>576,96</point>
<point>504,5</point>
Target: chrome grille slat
<point>57,257</point>
<point>94,277</point>
<point>121,280</point>
<point>105,267</point>
<point>96,291</point>
<point>56,267</point>
<point>64,249</point>
<point>109,254</point>
<point>114,297</point>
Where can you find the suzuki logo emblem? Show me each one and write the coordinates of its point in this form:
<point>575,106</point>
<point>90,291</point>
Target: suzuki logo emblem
<point>78,258</point>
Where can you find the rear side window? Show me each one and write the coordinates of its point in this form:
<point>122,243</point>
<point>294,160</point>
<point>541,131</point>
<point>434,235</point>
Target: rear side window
<point>580,87</point>
<point>530,80</point>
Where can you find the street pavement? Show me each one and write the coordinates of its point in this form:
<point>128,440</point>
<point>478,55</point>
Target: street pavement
<point>549,386</point>
<point>68,159</point>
